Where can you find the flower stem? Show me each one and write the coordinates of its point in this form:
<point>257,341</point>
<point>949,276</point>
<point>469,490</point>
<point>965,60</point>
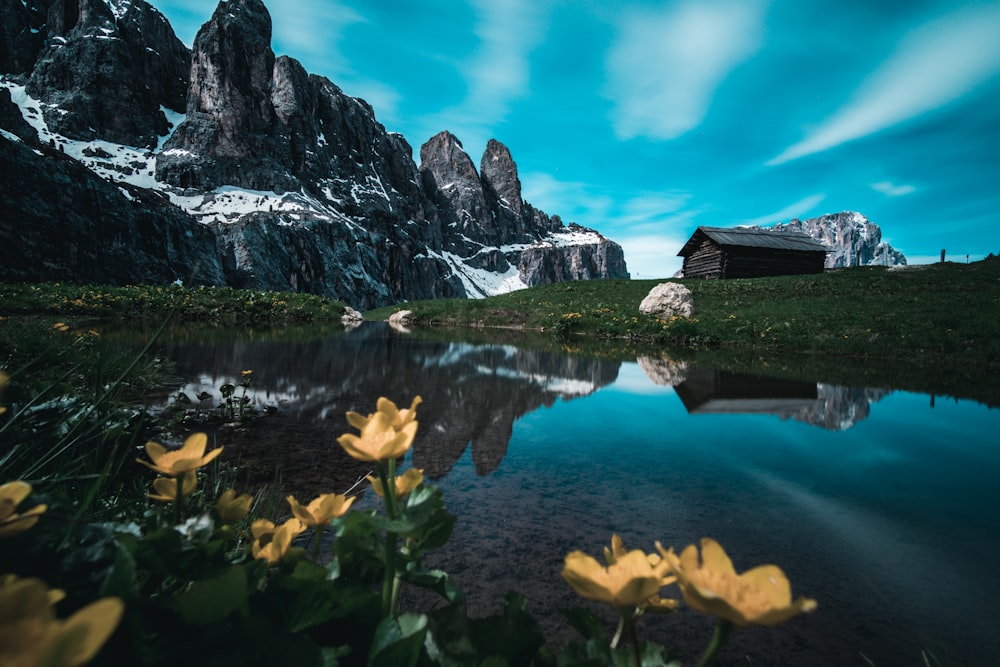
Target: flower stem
<point>629,619</point>
<point>179,501</point>
<point>719,637</point>
<point>315,551</point>
<point>386,473</point>
<point>618,632</point>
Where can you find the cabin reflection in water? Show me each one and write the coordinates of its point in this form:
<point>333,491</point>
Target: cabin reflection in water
<point>712,391</point>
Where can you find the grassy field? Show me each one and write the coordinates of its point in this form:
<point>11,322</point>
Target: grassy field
<point>932,328</point>
<point>155,303</point>
<point>944,313</point>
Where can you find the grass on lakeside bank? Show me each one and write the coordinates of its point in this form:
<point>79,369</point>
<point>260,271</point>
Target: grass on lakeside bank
<point>155,302</point>
<point>942,312</point>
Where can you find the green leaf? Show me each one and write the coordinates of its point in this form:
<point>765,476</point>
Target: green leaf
<point>434,580</point>
<point>586,623</point>
<point>398,641</point>
<point>298,604</point>
<point>423,521</point>
<point>215,599</point>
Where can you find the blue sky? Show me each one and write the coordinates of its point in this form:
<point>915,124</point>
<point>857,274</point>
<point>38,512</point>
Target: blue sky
<point>644,120</point>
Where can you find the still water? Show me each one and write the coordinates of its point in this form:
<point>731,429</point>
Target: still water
<point>879,504</point>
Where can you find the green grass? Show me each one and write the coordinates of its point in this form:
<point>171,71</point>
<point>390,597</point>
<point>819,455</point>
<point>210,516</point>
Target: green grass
<point>944,313</point>
<point>154,303</point>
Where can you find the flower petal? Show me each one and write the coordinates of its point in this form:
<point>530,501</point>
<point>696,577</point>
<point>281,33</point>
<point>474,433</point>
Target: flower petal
<point>194,446</point>
<point>155,450</point>
<point>713,557</point>
<point>89,628</point>
<point>15,492</point>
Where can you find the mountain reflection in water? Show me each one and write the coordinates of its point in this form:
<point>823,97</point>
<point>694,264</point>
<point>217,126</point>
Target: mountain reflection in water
<point>882,514</point>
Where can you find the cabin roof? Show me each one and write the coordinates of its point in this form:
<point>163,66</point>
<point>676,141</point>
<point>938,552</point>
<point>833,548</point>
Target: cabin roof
<point>754,238</point>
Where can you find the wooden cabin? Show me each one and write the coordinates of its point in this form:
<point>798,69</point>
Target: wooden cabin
<point>716,252</point>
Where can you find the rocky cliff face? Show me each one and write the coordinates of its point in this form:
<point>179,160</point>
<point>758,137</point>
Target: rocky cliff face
<point>298,185</point>
<point>853,239</point>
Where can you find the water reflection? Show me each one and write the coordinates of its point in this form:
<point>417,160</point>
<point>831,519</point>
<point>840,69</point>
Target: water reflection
<point>883,515</point>
<point>474,393</point>
<point>711,391</point>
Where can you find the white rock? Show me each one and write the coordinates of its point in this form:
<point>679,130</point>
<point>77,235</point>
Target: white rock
<point>351,315</point>
<point>668,300</point>
<point>401,317</point>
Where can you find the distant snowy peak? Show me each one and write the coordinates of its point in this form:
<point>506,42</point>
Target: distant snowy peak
<point>852,238</point>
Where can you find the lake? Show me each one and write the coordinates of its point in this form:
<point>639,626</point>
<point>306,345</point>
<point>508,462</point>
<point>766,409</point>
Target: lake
<point>879,504</point>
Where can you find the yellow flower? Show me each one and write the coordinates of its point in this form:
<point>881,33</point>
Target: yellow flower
<point>12,523</point>
<point>761,596</point>
<point>175,462</point>
<point>61,326</point>
<point>379,440</point>
<point>404,483</point>
<point>630,579</point>
<point>30,633</point>
<point>166,487</point>
<point>654,603</point>
<point>321,510</point>
<point>399,418</point>
<point>245,373</point>
<point>233,508</point>
<point>271,543</point>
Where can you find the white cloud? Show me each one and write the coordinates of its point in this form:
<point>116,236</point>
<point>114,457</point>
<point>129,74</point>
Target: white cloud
<point>933,66</point>
<point>798,209</point>
<point>891,189</point>
<point>665,66</point>
<point>496,73</point>
<point>310,31</point>
<point>652,255</point>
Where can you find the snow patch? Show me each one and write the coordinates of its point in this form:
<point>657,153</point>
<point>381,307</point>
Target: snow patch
<point>480,283</point>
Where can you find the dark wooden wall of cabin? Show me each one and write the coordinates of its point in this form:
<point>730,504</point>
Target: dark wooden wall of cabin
<point>705,261</point>
<point>758,262</point>
<point>710,260</point>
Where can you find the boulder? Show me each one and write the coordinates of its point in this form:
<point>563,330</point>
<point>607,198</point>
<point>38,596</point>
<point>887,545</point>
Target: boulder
<point>668,300</point>
<point>351,315</point>
<point>402,318</point>
<point>663,371</point>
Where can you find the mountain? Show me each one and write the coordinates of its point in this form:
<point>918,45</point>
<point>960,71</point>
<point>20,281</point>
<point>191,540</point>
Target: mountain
<point>853,239</point>
<point>134,159</point>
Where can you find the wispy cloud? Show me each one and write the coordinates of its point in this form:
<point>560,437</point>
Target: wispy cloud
<point>500,71</point>
<point>891,189</point>
<point>310,32</point>
<point>651,227</point>
<point>934,65</point>
<point>665,65</point>
<point>798,209</point>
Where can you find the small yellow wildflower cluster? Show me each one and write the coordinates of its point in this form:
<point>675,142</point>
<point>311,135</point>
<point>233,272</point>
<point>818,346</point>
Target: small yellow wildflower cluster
<point>572,316</point>
<point>709,583</point>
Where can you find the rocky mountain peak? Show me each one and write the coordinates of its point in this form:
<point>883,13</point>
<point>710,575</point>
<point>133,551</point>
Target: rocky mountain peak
<point>107,69</point>
<point>854,240</point>
<point>500,173</point>
<point>318,196</point>
<point>230,135</point>
<point>449,171</point>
